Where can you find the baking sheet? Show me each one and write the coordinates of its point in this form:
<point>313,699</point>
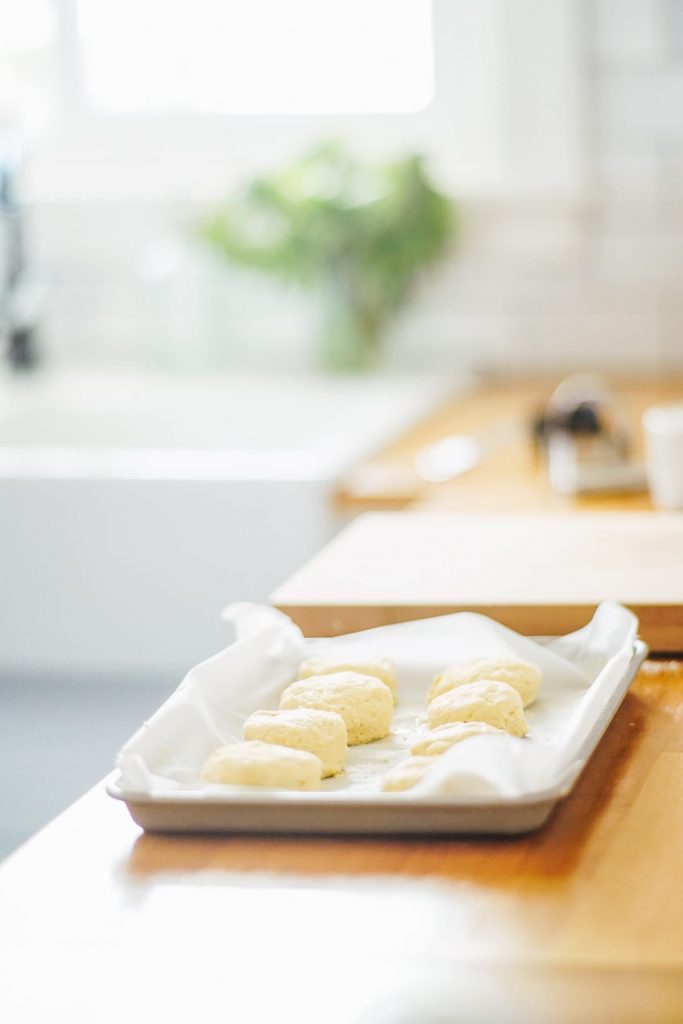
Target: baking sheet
<point>488,782</point>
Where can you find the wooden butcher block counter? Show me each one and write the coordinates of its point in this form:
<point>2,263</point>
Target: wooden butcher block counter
<point>511,477</point>
<point>579,922</point>
<point>496,539</point>
<point>539,574</point>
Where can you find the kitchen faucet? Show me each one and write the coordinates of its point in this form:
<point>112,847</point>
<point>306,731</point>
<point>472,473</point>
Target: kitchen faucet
<point>17,317</point>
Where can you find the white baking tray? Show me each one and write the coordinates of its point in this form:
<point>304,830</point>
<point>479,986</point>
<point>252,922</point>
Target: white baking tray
<point>485,785</point>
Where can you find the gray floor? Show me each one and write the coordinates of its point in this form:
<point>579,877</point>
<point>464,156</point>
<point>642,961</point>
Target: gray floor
<point>58,737</point>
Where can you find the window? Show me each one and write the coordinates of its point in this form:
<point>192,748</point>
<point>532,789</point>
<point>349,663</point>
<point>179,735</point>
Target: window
<point>182,99</point>
<point>260,57</point>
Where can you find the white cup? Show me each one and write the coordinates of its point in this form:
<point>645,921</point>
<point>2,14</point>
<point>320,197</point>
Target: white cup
<point>663,426</point>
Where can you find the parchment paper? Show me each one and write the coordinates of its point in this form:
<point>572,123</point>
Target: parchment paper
<point>581,672</point>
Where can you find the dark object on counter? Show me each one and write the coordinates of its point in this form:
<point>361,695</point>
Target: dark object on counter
<point>585,440</point>
<point>583,419</point>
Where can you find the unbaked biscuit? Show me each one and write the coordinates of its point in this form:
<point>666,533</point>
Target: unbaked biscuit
<point>488,701</point>
<point>406,774</point>
<point>441,739</point>
<point>364,702</point>
<point>521,675</point>
<point>263,764</point>
<point>324,664</point>
<point>322,733</point>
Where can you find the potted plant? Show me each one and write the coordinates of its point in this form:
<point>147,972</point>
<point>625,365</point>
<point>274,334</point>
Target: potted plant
<point>357,233</point>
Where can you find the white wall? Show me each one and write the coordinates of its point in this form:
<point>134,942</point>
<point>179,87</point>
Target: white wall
<point>131,576</point>
<point>558,122</point>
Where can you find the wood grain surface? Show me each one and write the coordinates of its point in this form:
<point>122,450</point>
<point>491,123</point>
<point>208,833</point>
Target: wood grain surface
<point>539,574</point>
<point>541,571</point>
<point>512,478</point>
<point>582,921</point>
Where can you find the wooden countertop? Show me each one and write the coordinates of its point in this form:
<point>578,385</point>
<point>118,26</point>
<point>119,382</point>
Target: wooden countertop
<point>582,921</point>
<point>512,478</point>
<point>538,573</point>
<point>497,539</point>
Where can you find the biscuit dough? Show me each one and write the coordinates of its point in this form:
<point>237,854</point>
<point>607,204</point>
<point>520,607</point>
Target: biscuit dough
<point>441,739</point>
<point>263,764</point>
<point>521,675</point>
<point>324,664</point>
<point>494,703</point>
<point>322,733</point>
<point>406,774</point>
<point>363,701</point>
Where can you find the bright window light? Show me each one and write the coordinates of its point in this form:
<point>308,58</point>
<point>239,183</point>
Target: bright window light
<point>257,56</point>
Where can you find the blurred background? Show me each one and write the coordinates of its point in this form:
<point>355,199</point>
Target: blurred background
<point>243,246</point>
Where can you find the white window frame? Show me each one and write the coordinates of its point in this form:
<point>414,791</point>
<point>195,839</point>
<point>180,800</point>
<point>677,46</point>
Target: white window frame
<point>505,119</point>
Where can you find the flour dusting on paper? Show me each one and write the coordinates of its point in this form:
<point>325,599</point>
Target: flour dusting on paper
<point>580,673</point>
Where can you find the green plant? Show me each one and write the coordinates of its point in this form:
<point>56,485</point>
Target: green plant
<point>358,233</point>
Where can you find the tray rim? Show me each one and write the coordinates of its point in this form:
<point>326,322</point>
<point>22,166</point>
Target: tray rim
<point>306,806</point>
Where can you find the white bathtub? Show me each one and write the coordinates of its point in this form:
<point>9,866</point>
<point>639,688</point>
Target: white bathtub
<point>133,509</point>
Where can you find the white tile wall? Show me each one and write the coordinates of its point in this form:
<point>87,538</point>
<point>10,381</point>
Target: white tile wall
<point>641,106</point>
<point>630,31</point>
<point>593,277</point>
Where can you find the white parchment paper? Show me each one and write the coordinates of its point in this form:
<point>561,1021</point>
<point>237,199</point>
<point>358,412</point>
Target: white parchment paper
<point>581,673</point>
